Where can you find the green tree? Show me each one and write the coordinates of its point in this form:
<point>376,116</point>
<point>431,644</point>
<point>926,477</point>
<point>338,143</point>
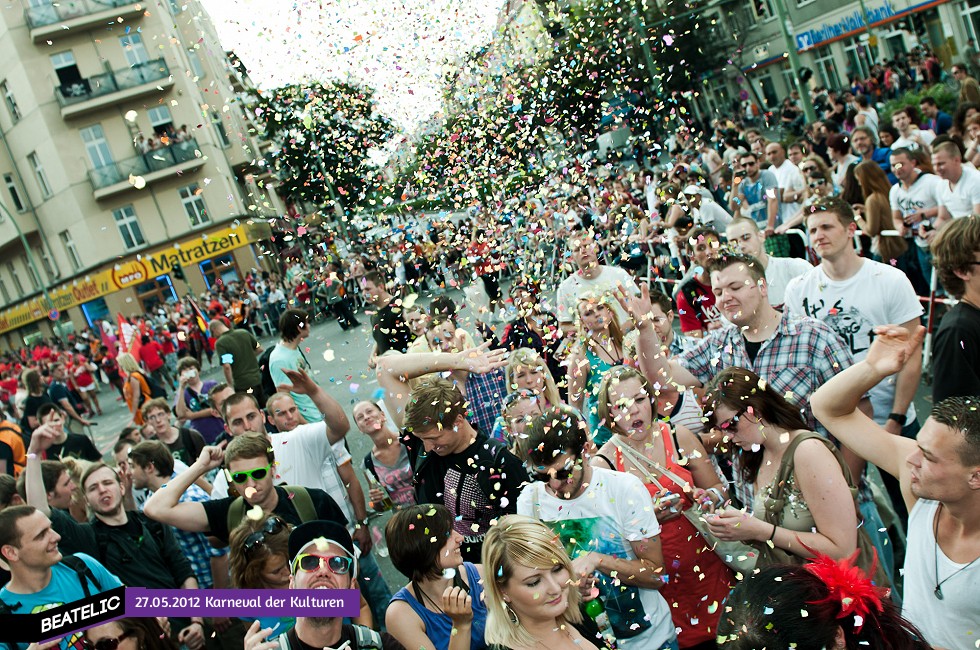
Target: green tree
<point>322,136</point>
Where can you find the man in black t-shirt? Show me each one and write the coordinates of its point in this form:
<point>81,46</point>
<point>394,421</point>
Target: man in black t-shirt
<point>477,479</point>
<point>388,326</point>
<point>250,463</point>
<point>60,395</point>
<point>65,444</point>
<point>956,349</point>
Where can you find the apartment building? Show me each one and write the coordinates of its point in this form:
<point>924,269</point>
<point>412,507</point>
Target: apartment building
<point>832,41</point>
<point>125,152</point>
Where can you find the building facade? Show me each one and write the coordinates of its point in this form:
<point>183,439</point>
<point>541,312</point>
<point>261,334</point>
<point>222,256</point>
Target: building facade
<point>126,149</point>
<point>832,41</point>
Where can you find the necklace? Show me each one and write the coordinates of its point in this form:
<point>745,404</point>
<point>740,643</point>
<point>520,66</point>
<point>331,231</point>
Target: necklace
<point>938,591</point>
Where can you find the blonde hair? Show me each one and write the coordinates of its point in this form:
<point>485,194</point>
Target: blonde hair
<point>128,363</point>
<point>516,539</point>
<point>528,358</point>
<point>605,299</point>
<point>610,380</point>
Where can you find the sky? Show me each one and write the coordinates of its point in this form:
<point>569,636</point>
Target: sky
<point>398,47</point>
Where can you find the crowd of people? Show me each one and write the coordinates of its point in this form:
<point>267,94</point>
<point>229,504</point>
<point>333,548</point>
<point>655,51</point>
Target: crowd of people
<point>568,466</point>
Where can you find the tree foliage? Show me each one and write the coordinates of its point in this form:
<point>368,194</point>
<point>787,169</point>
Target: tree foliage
<point>322,134</point>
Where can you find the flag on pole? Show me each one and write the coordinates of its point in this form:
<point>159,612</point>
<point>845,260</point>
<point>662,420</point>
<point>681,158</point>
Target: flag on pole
<point>199,318</point>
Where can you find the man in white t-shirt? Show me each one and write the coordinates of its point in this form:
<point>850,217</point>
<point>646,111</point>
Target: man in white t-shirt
<point>607,521</point>
<point>910,137</point>
<point>704,210</point>
<point>591,277</point>
<point>749,240</point>
<point>914,202</point>
<point>792,187</point>
<point>853,295</point>
<point>959,194</point>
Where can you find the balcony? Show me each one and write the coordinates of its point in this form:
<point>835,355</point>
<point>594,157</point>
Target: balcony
<point>48,21</point>
<point>112,88</point>
<point>153,166</point>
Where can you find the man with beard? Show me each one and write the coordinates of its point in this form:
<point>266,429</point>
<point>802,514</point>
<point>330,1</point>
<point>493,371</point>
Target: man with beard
<point>322,556</point>
<point>141,552</point>
<point>939,473</point>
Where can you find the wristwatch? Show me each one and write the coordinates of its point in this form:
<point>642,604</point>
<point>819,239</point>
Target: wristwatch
<point>898,417</point>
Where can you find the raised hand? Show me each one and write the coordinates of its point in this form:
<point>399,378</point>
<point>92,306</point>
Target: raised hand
<point>256,638</point>
<point>892,347</point>
<point>302,383</point>
<point>481,359</point>
<point>639,308</point>
<point>211,457</point>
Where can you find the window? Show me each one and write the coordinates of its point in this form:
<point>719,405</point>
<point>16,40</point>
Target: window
<point>67,70</point>
<point>32,273</point>
<point>860,57</point>
<point>12,270</point>
<point>161,120</point>
<point>970,13</point>
<point>220,129</point>
<point>4,292</point>
<point>96,310</point>
<point>42,179</point>
<point>18,202</point>
<point>826,67</point>
<point>223,268</point>
<point>96,146</point>
<point>763,9</point>
<point>789,79</point>
<point>8,98</point>
<point>134,49</point>
<point>41,254</point>
<point>763,81</point>
<point>196,67</point>
<point>70,250</point>
<point>129,227</point>
<point>194,206</point>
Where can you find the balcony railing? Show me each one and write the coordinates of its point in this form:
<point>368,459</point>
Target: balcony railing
<point>50,14</point>
<point>112,82</point>
<point>143,164</point>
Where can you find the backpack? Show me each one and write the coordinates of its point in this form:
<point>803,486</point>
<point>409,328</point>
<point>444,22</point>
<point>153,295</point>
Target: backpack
<point>102,536</point>
<point>268,386</point>
<point>156,390</point>
<point>12,436</point>
<point>187,439</point>
<point>299,495</point>
<point>364,638</point>
<point>82,570</point>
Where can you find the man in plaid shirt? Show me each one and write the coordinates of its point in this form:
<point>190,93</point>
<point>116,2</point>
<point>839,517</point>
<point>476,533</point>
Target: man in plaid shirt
<point>153,467</point>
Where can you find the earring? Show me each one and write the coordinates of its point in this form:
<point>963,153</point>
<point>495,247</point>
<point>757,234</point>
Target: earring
<point>511,615</point>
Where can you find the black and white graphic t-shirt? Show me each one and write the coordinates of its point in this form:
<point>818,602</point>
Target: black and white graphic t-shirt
<point>878,294</point>
<point>920,195</point>
<point>477,485</point>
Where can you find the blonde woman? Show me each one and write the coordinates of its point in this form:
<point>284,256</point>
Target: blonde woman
<point>527,369</point>
<point>136,390</point>
<point>532,596</point>
<point>599,348</point>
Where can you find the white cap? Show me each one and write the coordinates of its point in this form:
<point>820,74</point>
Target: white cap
<point>692,189</point>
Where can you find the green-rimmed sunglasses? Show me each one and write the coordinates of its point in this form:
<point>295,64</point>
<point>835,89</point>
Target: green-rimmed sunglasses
<point>256,474</point>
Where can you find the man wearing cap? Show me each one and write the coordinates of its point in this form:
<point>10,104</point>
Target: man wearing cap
<point>704,210</point>
<point>321,557</point>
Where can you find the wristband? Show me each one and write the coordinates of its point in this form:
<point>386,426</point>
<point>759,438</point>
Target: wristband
<point>773,536</point>
<point>898,417</point>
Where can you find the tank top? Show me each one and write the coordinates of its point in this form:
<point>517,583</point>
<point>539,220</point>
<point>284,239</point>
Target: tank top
<point>439,627</point>
<point>696,580</point>
<point>953,621</point>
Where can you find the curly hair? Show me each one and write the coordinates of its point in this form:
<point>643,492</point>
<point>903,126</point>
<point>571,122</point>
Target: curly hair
<point>248,566</point>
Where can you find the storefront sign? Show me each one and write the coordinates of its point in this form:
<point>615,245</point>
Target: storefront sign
<point>126,273</point>
<point>846,24</point>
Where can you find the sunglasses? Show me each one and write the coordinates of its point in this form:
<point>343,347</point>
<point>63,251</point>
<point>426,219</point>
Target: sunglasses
<point>817,183</point>
<point>338,564</point>
<point>108,643</point>
<point>808,169</point>
<point>559,474</point>
<point>731,423</point>
<point>273,526</point>
<point>256,474</point>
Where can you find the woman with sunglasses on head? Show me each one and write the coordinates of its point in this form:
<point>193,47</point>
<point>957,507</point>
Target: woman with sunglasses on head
<point>441,607</point>
<point>803,502</point>
<point>532,598</point>
<point>677,471</point>
<point>822,605</point>
<point>527,371</point>
<point>259,559</point>
<point>598,348</point>
<point>129,634</point>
